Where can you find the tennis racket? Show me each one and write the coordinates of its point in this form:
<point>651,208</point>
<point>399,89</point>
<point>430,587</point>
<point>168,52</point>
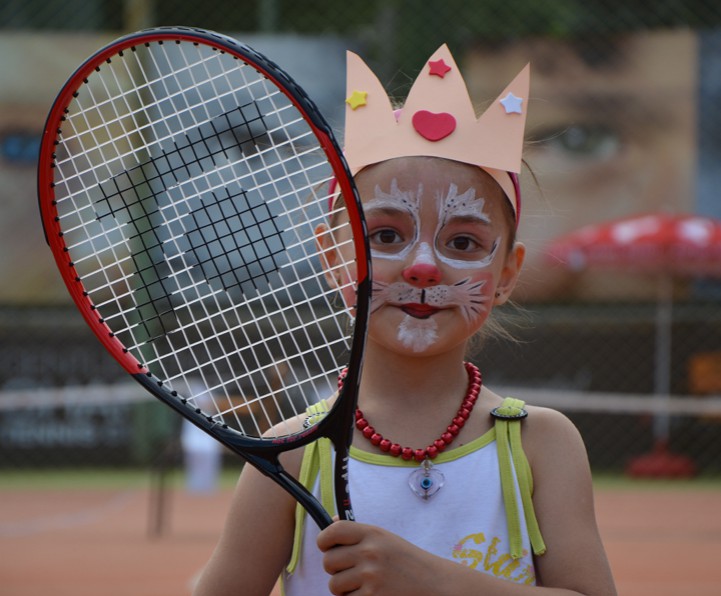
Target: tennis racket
<point>184,182</point>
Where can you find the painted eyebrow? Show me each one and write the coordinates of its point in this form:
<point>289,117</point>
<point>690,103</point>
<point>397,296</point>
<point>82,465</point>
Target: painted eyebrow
<point>389,206</point>
<point>471,218</point>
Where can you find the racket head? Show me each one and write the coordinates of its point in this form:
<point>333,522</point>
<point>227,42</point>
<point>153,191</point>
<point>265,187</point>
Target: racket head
<point>182,180</point>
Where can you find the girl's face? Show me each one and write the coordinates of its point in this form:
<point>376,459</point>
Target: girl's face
<point>439,235</point>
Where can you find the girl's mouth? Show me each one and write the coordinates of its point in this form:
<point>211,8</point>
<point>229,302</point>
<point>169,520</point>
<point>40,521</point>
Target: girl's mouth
<point>419,311</point>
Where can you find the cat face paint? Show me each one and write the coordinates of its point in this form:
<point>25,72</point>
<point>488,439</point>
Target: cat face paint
<point>447,233</point>
<point>464,208</point>
<point>417,334</point>
<point>454,210</point>
<point>419,329</point>
<point>406,205</point>
<point>466,295</point>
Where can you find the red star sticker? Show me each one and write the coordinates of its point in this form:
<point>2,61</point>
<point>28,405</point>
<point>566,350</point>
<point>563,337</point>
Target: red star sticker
<point>438,68</point>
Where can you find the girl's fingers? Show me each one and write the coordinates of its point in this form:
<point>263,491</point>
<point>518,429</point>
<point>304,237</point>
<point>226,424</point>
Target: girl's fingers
<point>338,559</point>
<point>346,582</point>
<point>339,533</point>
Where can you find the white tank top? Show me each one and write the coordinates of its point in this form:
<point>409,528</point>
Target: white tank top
<point>466,521</point>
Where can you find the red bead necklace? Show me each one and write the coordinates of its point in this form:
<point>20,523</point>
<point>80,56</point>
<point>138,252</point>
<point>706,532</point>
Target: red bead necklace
<point>440,444</point>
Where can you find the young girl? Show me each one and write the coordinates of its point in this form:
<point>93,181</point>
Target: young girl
<point>448,498</point>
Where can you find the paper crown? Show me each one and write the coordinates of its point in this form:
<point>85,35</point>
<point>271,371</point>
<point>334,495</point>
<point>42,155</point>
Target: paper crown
<point>437,120</point>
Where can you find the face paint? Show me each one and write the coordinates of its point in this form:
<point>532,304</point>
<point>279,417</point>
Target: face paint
<point>482,263</point>
<point>451,206</point>
<point>417,334</point>
<point>466,295</point>
<point>465,206</point>
<point>469,296</point>
<point>424,255</point>
<point>406,202</point>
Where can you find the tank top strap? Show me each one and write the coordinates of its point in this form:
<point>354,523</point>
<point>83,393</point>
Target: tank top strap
<point>317,459</point>
<point>511,457</point>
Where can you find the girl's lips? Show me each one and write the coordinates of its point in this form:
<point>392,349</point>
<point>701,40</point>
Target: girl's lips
<point>419,311</point>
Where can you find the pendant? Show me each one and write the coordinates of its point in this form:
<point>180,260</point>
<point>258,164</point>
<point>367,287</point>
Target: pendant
<point>426,481</point>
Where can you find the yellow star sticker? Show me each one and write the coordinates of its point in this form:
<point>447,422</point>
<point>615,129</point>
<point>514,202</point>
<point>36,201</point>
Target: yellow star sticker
<point>357,99</point>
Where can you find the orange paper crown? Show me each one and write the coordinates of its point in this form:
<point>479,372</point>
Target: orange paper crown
<point>437,120</point>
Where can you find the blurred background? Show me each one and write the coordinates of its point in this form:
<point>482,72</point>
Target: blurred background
<point>624,120</point>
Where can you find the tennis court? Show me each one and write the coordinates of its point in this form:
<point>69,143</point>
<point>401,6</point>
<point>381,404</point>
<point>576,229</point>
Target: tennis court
<point>623,119</point>
<point>662,538</point>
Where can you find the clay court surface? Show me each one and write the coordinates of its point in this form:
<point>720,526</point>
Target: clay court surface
<point>662,539</point>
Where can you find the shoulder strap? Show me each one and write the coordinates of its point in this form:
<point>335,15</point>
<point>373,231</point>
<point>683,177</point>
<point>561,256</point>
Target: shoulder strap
<point>511,456</point>
<point>316,459</point>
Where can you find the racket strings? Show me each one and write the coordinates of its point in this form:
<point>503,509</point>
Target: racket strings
<point>192,231</point>
<point>102,115</point>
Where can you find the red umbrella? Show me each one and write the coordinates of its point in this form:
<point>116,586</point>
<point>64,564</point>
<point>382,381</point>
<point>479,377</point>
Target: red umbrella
<point>672,244</point>
<point>666,244</point>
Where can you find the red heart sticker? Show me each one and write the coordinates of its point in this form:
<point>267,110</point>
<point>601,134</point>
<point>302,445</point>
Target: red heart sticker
<point>432,126</point>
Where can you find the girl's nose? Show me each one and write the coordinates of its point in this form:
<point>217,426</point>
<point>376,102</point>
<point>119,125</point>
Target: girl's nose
<point>422,275</point>
<point>423,272</point>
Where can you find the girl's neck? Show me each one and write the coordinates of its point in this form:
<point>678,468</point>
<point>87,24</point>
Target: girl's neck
<point>396,380</point>
<point>410,400</point>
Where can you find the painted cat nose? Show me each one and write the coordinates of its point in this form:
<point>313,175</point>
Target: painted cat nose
<point>422,275</point>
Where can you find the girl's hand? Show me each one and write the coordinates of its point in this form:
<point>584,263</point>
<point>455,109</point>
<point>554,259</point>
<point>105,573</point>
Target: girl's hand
<point>365,559</point>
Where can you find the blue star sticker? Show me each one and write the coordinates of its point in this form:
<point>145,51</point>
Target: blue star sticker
<point>512,104</point>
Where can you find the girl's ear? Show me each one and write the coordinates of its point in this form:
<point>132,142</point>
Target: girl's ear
<point>509,274</point>
<point>328,254</point>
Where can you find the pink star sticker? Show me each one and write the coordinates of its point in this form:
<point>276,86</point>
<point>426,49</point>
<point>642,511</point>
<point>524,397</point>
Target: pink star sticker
<point>438,68</point>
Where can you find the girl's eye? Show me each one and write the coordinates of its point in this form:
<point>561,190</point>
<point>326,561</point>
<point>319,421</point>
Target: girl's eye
<point>586,142</point>
<point>463,243</point>
<point>386,236</point>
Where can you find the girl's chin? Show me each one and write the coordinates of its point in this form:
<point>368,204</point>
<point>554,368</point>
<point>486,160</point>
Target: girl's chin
<point>416,336</point>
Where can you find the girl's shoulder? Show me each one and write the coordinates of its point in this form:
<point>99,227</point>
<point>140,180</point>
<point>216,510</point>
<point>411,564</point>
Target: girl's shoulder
<point>544,416</point>
<point>536,420</point>
<point>540,425</point>
<point>550,435</point>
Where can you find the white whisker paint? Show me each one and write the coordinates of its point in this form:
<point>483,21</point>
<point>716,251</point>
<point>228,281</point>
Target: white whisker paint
<point>466,295</point>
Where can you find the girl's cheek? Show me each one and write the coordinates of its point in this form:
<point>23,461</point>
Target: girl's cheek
<point>479,298</point>
<point>347,287</point>
<point>385,266</point>
<point>488,287</point>
<point>349,297</point>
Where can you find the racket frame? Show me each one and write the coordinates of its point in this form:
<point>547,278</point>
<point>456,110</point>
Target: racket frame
<point>264,454</point>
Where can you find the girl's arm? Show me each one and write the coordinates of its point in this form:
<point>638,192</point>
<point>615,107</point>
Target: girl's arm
<point>374,561</point>
<point>563,499</point>
<point>256,540</point>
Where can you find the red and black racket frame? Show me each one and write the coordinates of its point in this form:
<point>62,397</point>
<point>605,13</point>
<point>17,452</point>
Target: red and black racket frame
<point>262,453</point>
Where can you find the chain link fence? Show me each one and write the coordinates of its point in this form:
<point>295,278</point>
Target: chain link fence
<point>624,118</point>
